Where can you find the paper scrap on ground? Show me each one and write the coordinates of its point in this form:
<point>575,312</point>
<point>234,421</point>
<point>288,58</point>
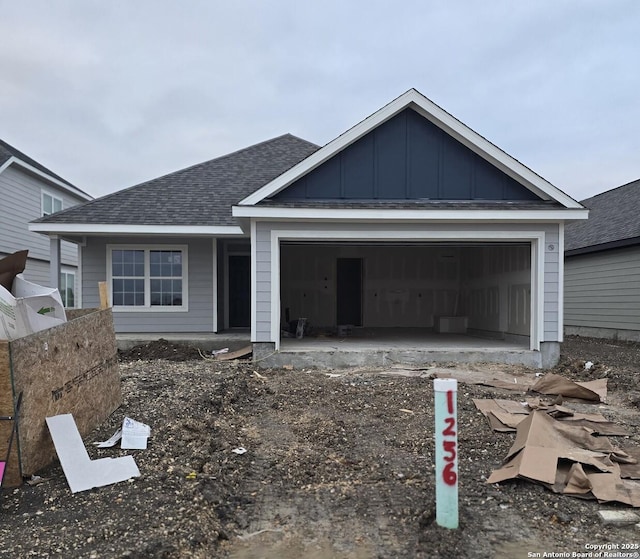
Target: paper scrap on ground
<point>228,356</point>
<point>81,472</point>
<point>111,441</point>
<point>134,434</point>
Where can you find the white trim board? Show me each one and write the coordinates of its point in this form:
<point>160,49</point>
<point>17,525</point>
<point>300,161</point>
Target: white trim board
<point>129,229</point>
<point>536,238</point>
<point>382,214</point>
<point>438,116</point>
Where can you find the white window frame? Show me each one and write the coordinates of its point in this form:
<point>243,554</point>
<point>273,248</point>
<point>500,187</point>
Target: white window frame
<point>147,307</point>
<point>54,199</point>
<point>70,272</point>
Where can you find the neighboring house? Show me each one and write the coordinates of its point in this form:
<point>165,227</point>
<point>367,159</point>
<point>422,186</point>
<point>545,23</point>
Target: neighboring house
<point>29,191</point>
<point>602,267</point>
<point>409,220</point>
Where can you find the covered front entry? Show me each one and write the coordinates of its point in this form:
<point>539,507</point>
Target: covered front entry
<point>369,290</point>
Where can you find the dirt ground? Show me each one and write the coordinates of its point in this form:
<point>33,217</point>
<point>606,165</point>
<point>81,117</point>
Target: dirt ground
<point>338,464</point>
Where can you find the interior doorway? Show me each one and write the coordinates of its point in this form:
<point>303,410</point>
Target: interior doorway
<point>349,291</point>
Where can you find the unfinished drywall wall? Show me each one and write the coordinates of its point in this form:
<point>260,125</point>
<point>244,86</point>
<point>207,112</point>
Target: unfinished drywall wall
<point>71,368</point>
<point>402,286</point>
<point>496,289</point>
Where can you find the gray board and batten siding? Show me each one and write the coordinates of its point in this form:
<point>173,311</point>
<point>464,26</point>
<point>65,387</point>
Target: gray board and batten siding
<point>310,231</point>
<point>406,158</point>
<point>602,294</point>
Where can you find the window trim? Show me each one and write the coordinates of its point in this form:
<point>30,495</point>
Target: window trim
<point>147,307</point>
<point>53,199</point>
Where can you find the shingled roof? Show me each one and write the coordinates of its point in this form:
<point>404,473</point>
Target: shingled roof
<point>201,195</point>
<point>613,221</point>
<point>7,151</point>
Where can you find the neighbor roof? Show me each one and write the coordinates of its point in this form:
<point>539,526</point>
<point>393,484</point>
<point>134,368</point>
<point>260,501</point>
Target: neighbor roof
<point>613,221</point>
<point>7,152</point>
<point>201,195</point>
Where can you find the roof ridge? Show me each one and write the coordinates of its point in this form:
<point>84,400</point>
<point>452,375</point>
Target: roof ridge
<point>220,157</point>
<point>22,156</point>
<point>630,183</point>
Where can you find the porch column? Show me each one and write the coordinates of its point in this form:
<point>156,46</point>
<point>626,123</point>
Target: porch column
<point>54,261</point>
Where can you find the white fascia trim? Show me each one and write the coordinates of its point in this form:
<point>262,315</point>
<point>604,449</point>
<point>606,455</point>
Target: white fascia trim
<point>108,229</point>
<point>536,238</point>
<point>254,282</point>
<point>440,118</point>
<point>352,214</point>
<point>71,189</point>
<point>214,277</point>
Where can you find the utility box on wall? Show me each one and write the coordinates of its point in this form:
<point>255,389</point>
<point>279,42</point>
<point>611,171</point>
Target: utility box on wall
<point>71,368</point>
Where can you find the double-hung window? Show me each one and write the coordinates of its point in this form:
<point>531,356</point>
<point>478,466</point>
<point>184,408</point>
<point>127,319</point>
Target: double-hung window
<point>148,278</point>
<point>50,204</point>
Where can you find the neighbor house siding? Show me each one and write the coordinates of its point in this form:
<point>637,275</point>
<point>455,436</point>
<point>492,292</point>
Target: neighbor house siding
<point>22,203</point>
<point>262,273</point>
<point>602,291</point>
<point>198,318</point>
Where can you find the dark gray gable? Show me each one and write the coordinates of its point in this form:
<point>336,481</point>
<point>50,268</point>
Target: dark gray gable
<point>406,158</point>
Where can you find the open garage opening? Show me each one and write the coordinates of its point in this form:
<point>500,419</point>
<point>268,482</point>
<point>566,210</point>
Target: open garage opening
<point>443,293</point>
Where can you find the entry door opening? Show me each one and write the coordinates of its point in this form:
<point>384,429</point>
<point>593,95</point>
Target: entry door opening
<point>349,291</point>
<point>239,291</point>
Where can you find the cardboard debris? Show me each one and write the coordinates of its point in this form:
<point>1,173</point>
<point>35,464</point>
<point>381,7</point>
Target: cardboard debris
<point>631,470</point>
<point>239,354</point>
<point>11,266</point>
<point>81,472</point>
<point>592,391</point>
<point>568,459</point>
<point>519,382</point>
<point>501,414</point>
<point>505,415</point>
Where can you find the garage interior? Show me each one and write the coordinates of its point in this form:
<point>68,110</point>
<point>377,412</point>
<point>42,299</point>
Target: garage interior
<point>444,296</point>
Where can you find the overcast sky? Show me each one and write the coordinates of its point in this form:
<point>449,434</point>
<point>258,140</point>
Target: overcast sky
<point>108,94</point>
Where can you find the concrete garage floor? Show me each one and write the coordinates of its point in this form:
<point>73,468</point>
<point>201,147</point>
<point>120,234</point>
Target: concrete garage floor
<point>374,347</point>
<point>381,347</point>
